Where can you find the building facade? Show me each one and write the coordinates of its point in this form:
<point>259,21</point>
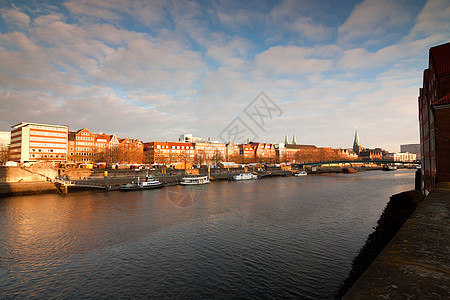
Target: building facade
<point>402,156</point>
<point>169,152</point>
<point>84,146</point>
<point>131,151</point>
<point>35,142</point>
<point>411,148</point>
<point>434,118</point>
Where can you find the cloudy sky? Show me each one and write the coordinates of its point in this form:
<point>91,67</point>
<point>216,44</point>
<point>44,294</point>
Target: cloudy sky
<point>156,69</point>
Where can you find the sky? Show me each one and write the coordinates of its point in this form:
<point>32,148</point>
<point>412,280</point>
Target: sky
<point>227,70</point>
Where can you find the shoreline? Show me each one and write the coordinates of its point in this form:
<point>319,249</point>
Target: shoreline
<point>11,189</point>
<point>397,211</point>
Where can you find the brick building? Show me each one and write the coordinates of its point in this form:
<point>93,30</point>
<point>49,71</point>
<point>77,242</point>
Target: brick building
<point>35,142</point>
<point>434,118</point>
<point>373,154</point>
<point>292,153</point>
<point>210,152</point>
<point>131,151</point>
<point>83,144</point>
<point>169,152</point>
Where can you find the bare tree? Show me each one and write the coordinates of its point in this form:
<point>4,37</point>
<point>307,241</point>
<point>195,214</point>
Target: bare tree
<point>4,153</point>
<point>217,157</point>
<point>200,157</point>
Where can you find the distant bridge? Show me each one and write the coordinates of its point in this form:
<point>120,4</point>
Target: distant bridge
<point>364,161</point>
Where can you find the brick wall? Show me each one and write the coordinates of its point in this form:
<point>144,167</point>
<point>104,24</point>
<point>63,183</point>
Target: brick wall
<point>443,143</point>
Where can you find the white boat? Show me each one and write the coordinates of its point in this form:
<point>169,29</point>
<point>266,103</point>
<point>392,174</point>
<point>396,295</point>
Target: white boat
<point>150,183</point>
<point>147,184</point>
<point>301,173</point>
<point>245,176</point>
<point>194,180</point>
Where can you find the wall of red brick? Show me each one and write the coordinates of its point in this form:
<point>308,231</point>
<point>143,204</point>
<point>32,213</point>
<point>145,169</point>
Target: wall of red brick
<point>443,143</point>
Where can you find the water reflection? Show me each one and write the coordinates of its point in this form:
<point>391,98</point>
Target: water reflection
<point>276,237</point>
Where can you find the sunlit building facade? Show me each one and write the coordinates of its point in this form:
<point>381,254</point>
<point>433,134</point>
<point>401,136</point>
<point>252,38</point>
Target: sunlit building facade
<point>35,142</point>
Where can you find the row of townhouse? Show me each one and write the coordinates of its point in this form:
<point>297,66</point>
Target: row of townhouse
<point>200,153</point>
<point>34,142</point>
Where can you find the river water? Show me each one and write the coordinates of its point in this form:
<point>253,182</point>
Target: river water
<point>284,237</point>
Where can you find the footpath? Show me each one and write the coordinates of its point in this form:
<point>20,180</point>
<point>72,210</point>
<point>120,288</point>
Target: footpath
<point>415,264</point>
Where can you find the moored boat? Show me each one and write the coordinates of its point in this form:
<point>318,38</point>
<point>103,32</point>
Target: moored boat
<point>194,180</point>
<point>301,173</point>
<point>389,168</point>
<point>150,183</point>
<point>245,176</point>
<point>132,186</point>
<point>349,170</point>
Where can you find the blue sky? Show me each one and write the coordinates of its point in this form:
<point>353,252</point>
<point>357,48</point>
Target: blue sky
<point>156,69</point>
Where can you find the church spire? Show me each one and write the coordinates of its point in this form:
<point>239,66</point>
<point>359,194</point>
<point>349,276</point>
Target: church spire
<point>356,143</point>
<point>294,140</point>
<point>286,140</point>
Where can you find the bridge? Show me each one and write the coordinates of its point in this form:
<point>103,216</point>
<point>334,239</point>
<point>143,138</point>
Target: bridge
<point>363,161</point>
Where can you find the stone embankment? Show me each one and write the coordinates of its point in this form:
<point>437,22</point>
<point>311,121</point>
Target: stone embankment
<point>414,264</point>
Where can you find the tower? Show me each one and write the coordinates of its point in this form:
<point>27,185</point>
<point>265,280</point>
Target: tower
<point>286,140</point>
<point>294,140</point>
<point>356,144</point>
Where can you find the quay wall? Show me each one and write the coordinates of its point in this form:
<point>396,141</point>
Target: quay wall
<point>26,174</point>
<point>414,265</point>
<point>27,188</point>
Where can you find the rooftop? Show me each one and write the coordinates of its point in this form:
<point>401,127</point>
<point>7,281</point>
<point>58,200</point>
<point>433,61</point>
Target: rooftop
<point>441,59</point>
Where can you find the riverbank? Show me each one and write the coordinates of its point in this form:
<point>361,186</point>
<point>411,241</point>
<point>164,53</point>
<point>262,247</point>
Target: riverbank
<point>414,264</point>
<point>27,188</point>
<point>44,185</point>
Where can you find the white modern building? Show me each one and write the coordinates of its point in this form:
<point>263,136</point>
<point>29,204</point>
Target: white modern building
<point>402,156</point>
<point>33,142</point>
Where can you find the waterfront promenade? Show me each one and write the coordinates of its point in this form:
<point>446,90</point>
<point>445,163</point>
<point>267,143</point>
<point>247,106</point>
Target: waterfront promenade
<point>415,264</point>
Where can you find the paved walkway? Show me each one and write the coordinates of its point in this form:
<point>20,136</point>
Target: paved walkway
<point>415,264</point>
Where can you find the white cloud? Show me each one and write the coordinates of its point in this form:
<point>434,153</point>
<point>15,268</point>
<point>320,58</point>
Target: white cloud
<point>307,28</point>
<point>291,61</point>
<point>152,81</point>
<point>231,52</point>
<point>372,19</point>
<point>14,17</point>
<point>435,15</point>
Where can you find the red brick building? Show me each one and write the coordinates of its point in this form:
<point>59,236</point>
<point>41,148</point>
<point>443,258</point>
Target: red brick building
<point>131,151</point>
<point>292,153</point>
<point>434,118</point>
<point>373,154</point>
<point>169,152</point>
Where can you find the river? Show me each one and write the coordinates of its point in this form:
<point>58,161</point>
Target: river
<point>281,237</point>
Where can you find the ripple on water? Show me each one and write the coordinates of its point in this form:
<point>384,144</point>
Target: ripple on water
<point>275,238</point>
